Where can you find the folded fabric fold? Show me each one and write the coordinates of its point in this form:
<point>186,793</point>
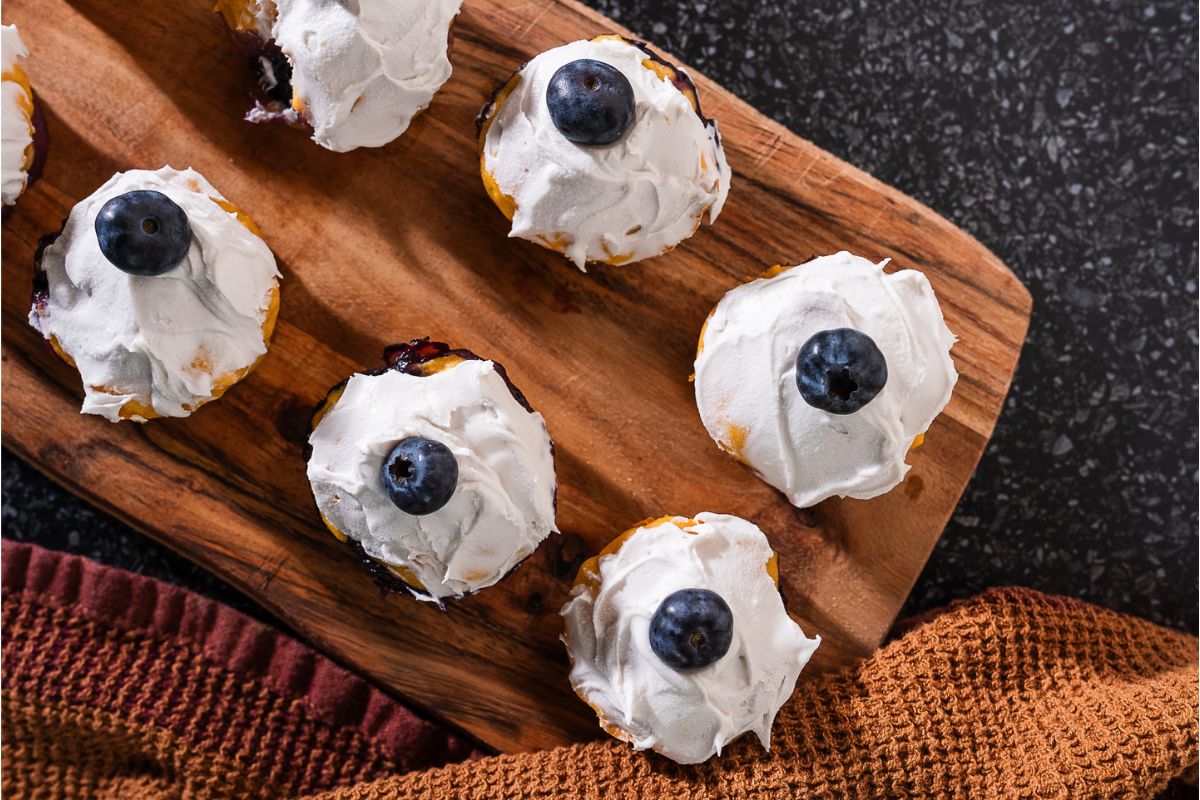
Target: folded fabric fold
<point>119,686</point>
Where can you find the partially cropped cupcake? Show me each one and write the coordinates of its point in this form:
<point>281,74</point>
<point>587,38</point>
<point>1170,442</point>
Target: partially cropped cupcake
<point>23,131</point>
<point>355,73</point>
<point>598,150</point>
<point>159,291</point>
<point>436,468</point>
<point>822,377</point>
<point>679,639</point>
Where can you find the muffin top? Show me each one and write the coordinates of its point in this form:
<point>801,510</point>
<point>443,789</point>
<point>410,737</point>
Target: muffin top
<point>16,115</point>
<point>360,71</point>
<point>446,476</point>
<point>821,377</point>
<point>664,664</point>
<point>167,341</point>
<point>617,201</point>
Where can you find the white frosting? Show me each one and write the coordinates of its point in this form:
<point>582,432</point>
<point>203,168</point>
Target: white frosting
<point>746,376</point>
<point>160,340</point>
<point>15,110</point>
<point>618,203</point>
<point>687,716</point>
<point>258,16</point>
<point>362,70</point>
<point>503,506</point>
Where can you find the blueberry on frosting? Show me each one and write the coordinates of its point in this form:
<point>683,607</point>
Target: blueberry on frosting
<point>143,232</point>
<point>840,370</point>
<point>590,102</point>
<point>419,475</point>
<point>691,629</point>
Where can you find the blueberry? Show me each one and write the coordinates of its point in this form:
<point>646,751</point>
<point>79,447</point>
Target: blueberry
<point>143,232</point>
<point>691,629</point>
<point>275,74</point>
<point>419,475</point>
<point>590,102</point>
<point>840,370</point>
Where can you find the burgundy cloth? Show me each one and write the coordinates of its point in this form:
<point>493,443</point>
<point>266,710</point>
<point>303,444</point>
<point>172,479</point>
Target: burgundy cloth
<point>225,637</point>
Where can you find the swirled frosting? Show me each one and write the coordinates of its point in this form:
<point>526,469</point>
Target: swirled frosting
<point>503,506</point>
<point>163,344</point>
<point>746,376</point>
<point>360,71</point>
<point>16,116</point>
<point>618,203</point>
<point>687,716</point>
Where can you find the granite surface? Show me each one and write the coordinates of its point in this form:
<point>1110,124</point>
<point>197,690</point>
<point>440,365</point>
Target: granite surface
<point>1061,134</point>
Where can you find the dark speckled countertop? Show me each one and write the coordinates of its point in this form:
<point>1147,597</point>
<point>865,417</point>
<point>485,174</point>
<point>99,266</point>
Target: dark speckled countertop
<point>1062,134</point>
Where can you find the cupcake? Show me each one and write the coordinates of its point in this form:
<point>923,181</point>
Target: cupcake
<point>159,291</point>
<point>355,73</point>
<point>24,137</point>
<point>598,150</point>
<point>678,637</point>
<point>435,468</point>
<point>822,377</point>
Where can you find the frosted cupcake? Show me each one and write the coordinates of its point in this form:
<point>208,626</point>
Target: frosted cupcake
<point>23,135</point>
<point>679,639</point>
<point>435,468</point>
<point>598,150</point>
<point>355,73</point>
<point>822,377</point>
<point>159,291</point>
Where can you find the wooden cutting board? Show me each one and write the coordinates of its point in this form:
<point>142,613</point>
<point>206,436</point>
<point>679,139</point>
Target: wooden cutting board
<point>379,246</point>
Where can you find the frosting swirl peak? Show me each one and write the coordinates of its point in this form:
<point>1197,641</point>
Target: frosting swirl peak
<point>16,115</point>
<point>636,198</point>
<point>161,345</point>
<point>746,387</point>
<point>502,508</point>
<point>686,715</point>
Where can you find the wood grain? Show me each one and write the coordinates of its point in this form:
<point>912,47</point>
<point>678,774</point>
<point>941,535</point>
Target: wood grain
<point>383,245</point>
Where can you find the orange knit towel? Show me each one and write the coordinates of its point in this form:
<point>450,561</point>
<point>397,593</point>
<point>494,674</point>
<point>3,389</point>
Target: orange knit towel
<point>1010,694</point>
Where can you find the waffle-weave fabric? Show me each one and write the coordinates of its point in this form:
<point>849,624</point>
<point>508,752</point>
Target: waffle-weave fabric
<point>119,686</point>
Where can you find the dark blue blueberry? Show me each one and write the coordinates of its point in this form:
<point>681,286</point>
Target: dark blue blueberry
<point>275,74</point>
<point>691,629</point>
<point>419,475</point>
<point>840,370</point>
<point>143,232</point>
<point>590,102</point>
